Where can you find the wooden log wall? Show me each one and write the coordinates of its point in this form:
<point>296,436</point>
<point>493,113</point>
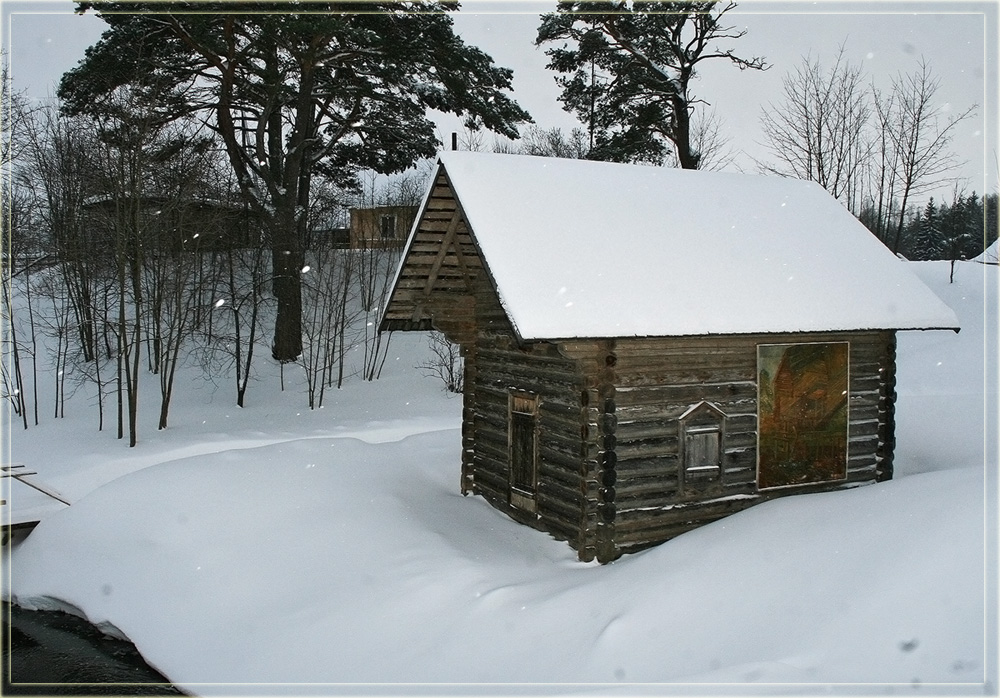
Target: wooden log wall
<point>563,489</point>
<point>597,361</point>
<point>656,380</point>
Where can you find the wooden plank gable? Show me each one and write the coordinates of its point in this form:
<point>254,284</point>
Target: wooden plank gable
<point>442,282</point>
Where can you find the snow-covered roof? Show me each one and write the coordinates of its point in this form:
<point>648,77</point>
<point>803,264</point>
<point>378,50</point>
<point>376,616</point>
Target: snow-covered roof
<point>990,255</point>
<point>591,249</point>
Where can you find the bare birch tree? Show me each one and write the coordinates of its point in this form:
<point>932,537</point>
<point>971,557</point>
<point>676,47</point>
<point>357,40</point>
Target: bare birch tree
<point>820,131</point>
<point>921,132</point>
<point>874,150</point>
<point>13,234</point>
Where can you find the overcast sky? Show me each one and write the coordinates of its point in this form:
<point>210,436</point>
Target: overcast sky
<point>958,40</point>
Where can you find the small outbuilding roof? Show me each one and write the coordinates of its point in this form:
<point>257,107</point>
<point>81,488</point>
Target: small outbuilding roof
<point>591,249</point>
<point>990,255</point>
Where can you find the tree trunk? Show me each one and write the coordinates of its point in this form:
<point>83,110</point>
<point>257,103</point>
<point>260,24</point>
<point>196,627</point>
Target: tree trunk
<point>287,260</point>
<point>686,156</point>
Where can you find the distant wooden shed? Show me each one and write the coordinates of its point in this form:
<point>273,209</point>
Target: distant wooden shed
<point>647,349</point>
<point>378,227</point>
<point>169,224</point>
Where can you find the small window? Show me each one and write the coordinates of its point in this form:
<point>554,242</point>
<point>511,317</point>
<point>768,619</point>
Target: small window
<point>387,227</point>
<point>702,434</point>
<point>702,451</point>
<point>523,437</point>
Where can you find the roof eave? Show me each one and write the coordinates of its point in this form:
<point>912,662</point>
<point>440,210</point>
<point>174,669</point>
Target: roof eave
<point>578,338</point>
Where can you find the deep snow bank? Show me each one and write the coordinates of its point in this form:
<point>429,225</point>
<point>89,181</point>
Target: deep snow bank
<point>325,561</point>
<point>337,561</point>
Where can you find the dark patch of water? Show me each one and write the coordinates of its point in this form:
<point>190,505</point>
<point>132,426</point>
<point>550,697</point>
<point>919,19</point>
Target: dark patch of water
<point>48,653</point>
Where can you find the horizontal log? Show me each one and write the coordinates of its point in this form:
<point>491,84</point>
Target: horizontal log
<point>495,394</point>
<point>551,384</point>
<point>658,469</point>
<point>545,386</point>
<point>420,250</point>
<point>491,456</point>
<point>440,203</point>
<point>632,488</point>
<point>581,349</point>
<point>855,441</point>
<point>419,267</point>
<point>632,541</point>
<point>709,504</point>
<point>565,408</point>
<point>672,409</point>
<point>685,392</point>
<point>504,350</point>
<point>566,450</point>
<point>680,375</point>
<point>491,472</point>
<point>557,465</point>
<point>432,214</point>
<point>862,465</point>
<point>558,529</point>
<point>660,448</point>
<point>490,447</point>
<point>649,462</point>
<point>557,422</point>
<point>866,428</point>
<point>687,372</point>
<point>866,412</point>
<point>743,476</point>
<point>639,430</point>
<point>490,493</point>
<point>433,234</point>
<point>554,496</point>
<point>494,420</point>
<point>653,525</point>
<point>534,355</point>
<point>446,285</point>
<point>863,383</point>
<point>440,224</point>
<point>635,353</point>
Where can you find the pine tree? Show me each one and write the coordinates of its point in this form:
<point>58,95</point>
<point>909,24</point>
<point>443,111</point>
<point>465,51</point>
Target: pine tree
<point>974,221</point>
<point>956,226</point>
<point>927,244</point>
<point>991,228</point>
<point>627,70</point>
<point>297,90</point>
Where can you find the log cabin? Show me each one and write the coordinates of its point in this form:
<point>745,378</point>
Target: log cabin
<point>647,350</point>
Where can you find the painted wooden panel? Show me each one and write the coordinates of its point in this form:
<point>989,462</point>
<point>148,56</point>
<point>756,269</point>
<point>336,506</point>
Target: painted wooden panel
<point>803,410</point>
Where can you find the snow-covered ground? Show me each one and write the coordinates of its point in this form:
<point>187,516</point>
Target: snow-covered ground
<point>280,551</point>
